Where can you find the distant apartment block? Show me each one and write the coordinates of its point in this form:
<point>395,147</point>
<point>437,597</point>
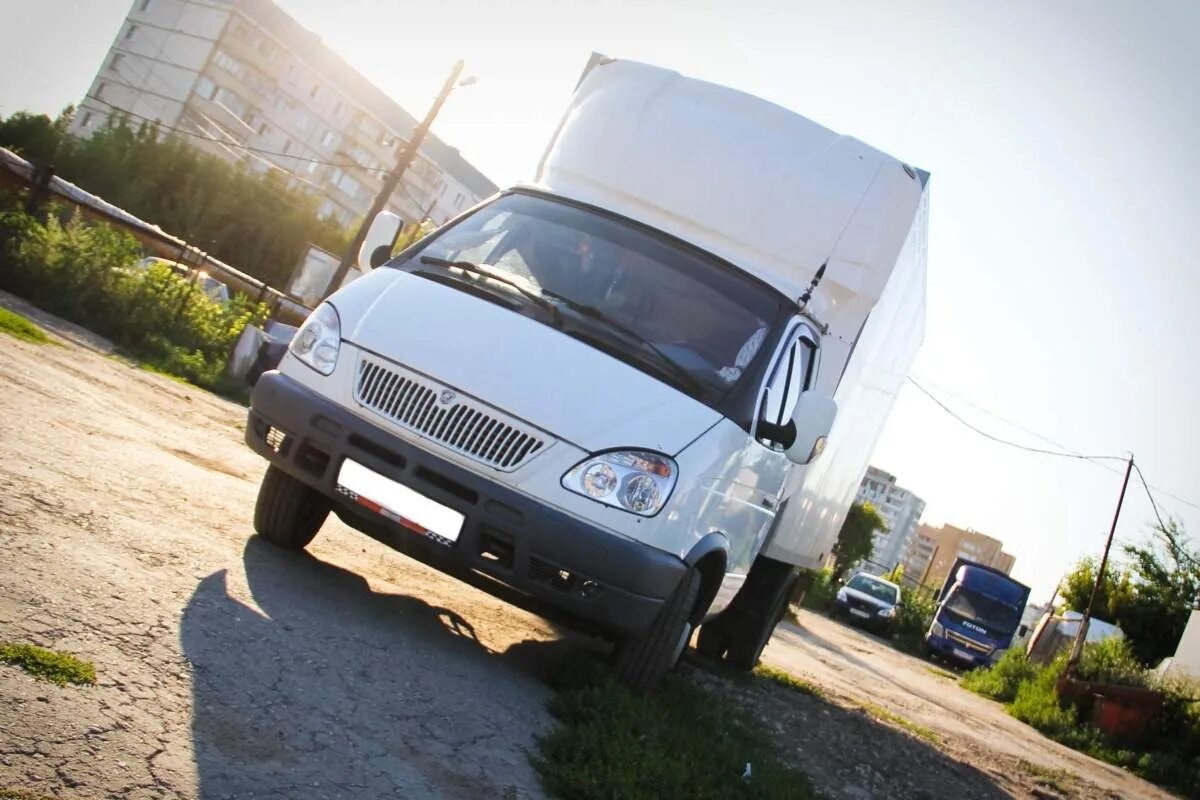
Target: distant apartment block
<point>899,507</point>
<point>242,80</point>
<point>932,552</point>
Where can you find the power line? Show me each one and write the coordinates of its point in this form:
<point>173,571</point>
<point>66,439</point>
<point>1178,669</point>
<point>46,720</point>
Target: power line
<point>985,434</point>
<point>1161,525</point>
<point>1063,452</point>
<point>236,145</point>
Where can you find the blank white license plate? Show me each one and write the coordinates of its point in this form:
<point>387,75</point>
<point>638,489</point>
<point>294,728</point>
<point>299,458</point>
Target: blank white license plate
<point>399,503</point>
<point>963,654</point>
<point>859,613</point>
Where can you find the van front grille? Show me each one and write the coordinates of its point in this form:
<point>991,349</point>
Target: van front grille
<point>965,642</point>
<point>440,413</point>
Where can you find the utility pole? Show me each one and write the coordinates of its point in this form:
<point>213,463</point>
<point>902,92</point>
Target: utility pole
<point>1077,649</point>
<point>393,179</point>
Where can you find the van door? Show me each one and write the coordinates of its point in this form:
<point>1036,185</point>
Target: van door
<point>745,502</point>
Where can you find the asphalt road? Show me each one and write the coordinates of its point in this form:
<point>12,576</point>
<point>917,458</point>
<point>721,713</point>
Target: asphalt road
<point>229,669</point>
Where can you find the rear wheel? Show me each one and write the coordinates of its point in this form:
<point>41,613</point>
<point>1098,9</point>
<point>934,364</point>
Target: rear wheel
<point>288,512</point>
<point>756,610</point>
<point>642,662</point>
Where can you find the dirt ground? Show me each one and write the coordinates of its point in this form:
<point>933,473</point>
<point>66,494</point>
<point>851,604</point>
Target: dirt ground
<point>229,669</point>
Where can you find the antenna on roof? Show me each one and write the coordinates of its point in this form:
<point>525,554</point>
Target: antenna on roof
<point>812,287</point>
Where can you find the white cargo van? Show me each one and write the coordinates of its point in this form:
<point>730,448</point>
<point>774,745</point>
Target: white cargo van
<point>635,393</point>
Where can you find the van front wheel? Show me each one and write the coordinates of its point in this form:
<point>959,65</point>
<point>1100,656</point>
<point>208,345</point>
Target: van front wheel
<point>288,512</point>
<point>641,663</point>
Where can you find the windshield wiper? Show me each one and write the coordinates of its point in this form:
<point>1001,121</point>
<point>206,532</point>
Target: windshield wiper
<point>536,298</point>
<point>591,312</point>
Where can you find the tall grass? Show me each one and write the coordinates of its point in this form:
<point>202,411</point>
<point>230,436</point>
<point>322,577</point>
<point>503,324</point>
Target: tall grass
<point>85,273</point>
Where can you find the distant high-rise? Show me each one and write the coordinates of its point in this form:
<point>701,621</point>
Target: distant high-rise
<point>932,552</point>
<point>242,80</point>
<point>899,507</point>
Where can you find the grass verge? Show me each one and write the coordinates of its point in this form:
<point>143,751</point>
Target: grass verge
<point>676,742</point>
<point>48,665</point>
<point>882,714</point>
<point>22,328</point>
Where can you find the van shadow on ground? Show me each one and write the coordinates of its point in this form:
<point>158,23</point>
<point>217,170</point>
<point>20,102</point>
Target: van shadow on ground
<point>335,691</point>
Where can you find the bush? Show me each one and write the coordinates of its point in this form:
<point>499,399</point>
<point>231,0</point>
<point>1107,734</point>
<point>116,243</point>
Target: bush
<point>1168,753</point>
<point>1112,661</point>
<point>84,272</point>
<point>917,607</point>
<point>820,590</point>
<point>1001,680</point>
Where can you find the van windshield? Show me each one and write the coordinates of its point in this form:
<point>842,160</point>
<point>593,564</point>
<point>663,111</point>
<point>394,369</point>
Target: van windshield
<point>682,315</point>
<point>997,616</point>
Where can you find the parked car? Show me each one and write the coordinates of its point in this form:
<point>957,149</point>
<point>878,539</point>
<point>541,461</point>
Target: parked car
<point>868,601</point>
<point>216,291</point>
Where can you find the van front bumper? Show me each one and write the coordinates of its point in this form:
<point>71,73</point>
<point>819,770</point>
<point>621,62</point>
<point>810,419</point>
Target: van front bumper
<point>511,545</point>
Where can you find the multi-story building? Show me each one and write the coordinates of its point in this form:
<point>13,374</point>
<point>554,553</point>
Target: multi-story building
<point>244,81</point>
<point>932,552</point>
<point>899,507</point>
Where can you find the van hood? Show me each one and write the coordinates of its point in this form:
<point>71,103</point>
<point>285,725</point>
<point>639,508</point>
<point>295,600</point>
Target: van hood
<point>516,364</point>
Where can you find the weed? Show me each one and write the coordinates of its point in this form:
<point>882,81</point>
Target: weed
<point>22,328</point>
<point>1000,681</point>
<point>676,742</point>
<point>48,665</point>
<point>21,794</point>
<point>1057,779</point>
<point>882,714</point>
<point>787,680</point>
<point>941,673</point>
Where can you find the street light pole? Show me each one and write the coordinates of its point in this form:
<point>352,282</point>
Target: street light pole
<point>393,179</point>
<point>1077,648</point>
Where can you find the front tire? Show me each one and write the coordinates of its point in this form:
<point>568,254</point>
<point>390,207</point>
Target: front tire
<point>641,663</point>
<point>288,513</point>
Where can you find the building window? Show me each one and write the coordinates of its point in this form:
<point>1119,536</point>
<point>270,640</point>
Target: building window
<point>86,122</point>
<point>304,122</point>
<point>328,138</point>
<point>227,63</point>
<point>337,109</point>
<point>116,61</point>
<point>287,147</point>
<point>100,91</point>
<point>263,129</point>
<point>312,167</point>
<point>232,102</point>
<point>205,88</point>
<point>348,185</point>
<point>315,91</point>
<point>129,33</point>
<point>458,200</point>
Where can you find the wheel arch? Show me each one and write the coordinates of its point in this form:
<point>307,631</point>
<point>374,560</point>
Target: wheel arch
<point>709,557</point>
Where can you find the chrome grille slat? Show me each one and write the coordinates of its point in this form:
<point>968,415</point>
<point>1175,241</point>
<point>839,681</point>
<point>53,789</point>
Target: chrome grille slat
<point>459,423</point>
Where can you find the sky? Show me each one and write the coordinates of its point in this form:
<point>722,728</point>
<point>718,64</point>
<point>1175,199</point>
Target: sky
<point>1065,216</point>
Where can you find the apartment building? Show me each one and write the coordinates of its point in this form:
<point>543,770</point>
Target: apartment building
<point>899,507</point>
<point>242,80</point>
<point>932,552</point>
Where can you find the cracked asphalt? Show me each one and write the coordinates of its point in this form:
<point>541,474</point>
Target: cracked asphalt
<point>225,667</point>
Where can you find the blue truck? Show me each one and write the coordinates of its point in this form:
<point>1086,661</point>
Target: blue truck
<point>979,609</point>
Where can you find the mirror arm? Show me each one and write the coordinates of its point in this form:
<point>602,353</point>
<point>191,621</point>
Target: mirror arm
<point>784,435</point>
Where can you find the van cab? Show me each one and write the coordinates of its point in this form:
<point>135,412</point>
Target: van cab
<point>578,401</point>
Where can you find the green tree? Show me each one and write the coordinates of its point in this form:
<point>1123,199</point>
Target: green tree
<point>1149,593</point>
<point>257,223</point>
<point>856,538</point>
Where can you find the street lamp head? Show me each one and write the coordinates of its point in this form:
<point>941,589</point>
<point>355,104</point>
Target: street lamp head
<point>468,81</point>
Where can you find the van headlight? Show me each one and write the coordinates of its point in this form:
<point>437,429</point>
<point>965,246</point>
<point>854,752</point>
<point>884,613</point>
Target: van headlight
<point>633,480</point>
<point>319,339</point>
<point>888,613</point>
<point>936,629</point>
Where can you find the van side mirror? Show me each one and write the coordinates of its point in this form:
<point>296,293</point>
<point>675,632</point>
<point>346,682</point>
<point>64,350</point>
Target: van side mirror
<point>1023,631</point>
<point>381,237</point>
<point>813,419</point>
